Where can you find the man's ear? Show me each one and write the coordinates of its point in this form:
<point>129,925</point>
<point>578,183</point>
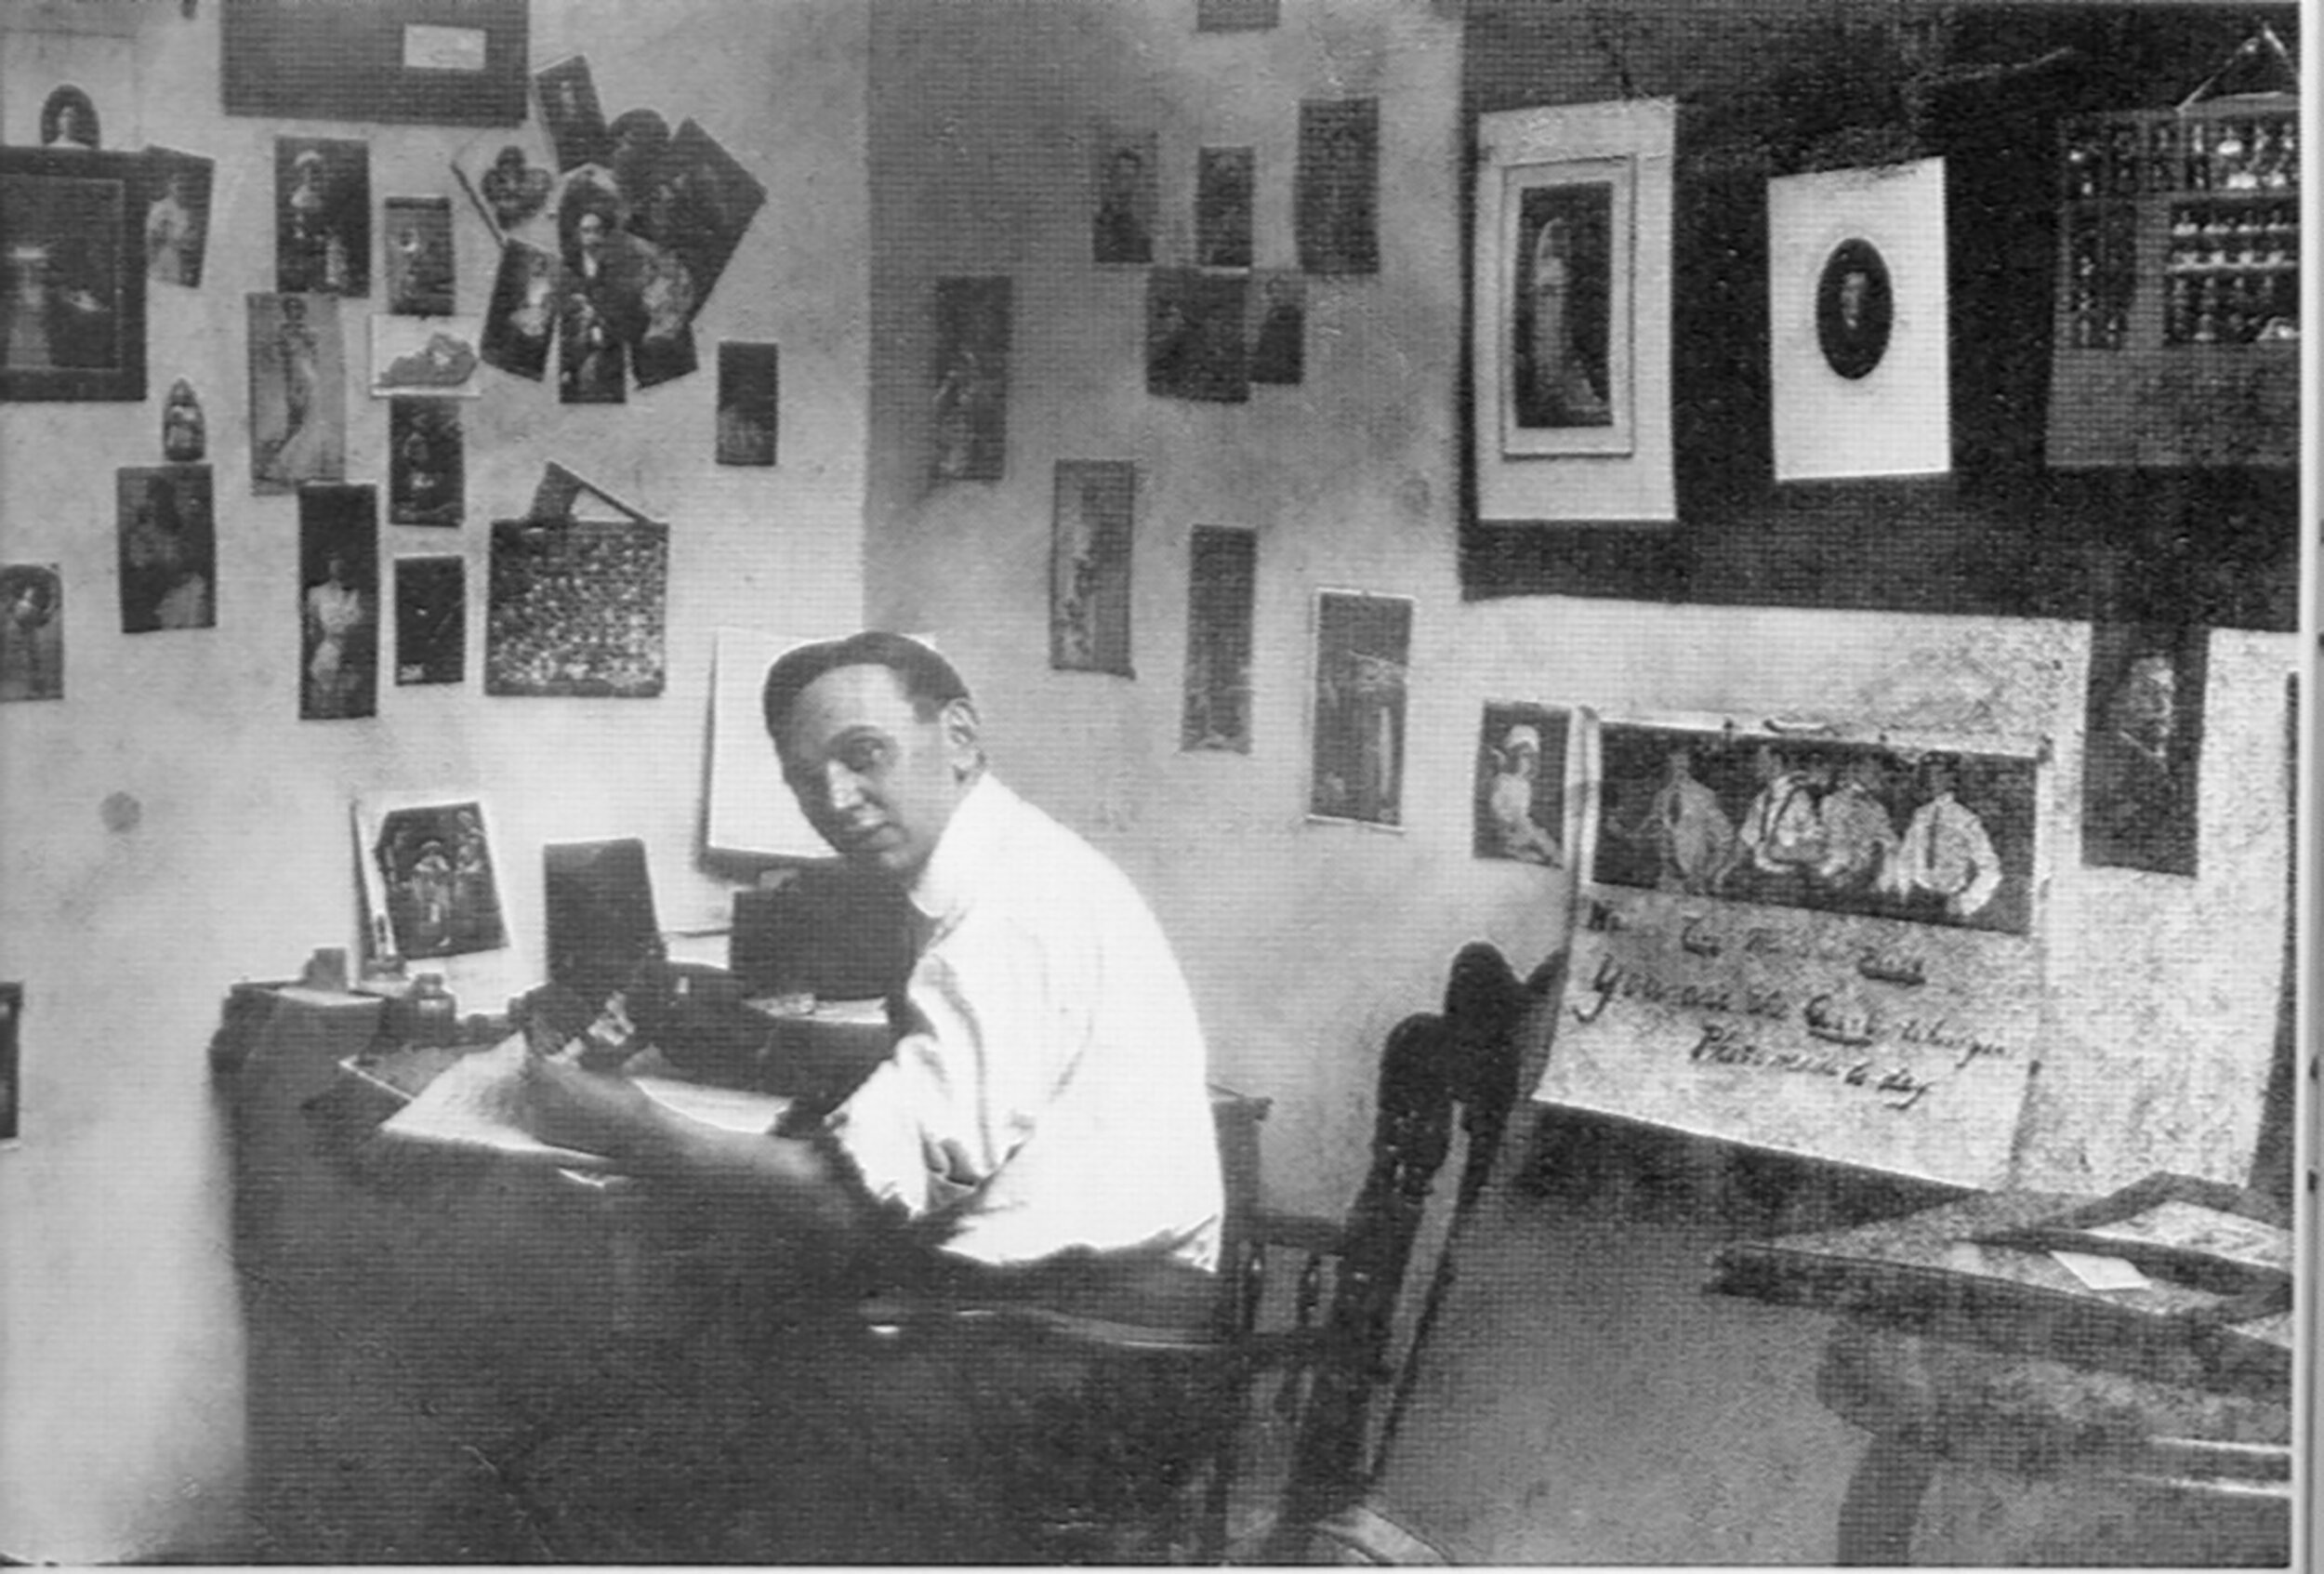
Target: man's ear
<point>963,747</point>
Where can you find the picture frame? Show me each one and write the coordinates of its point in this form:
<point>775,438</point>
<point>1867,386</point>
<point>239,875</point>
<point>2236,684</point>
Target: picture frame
<point>431,876</point>
<point>1570,314</point>
<point>74,323</point>
<point>1358,716</point>
<point>427,63</point>
<point>1094,523</point>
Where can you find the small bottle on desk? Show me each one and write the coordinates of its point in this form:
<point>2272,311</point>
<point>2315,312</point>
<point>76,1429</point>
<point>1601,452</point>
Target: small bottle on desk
<point>434,1014</point>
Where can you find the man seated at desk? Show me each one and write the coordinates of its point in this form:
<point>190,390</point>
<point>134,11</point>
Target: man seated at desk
<point>1042,1128</point>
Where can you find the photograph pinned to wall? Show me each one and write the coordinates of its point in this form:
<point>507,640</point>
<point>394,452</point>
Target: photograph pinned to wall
<point>521,320</point>
<point>750,391</point>
<point>431,884</point>
<point>72,325</point>
<point>1521,797</point>
<point>11,1061</point>
<point>1225,180</point>
<point>2143,749</point>
<point>577,607</point>
<point>1570,320</point>
<point>298,392</point>
<point>31,631</point>
<point>1363,659</point>
<point>426,462</point>
<point>1336,187</point>
<point>1094,511</point>
<point>339,601</point>
<point>570,110</point>
<point>1279,326</point>
<point>322,216</point>
<point>664,355</point>
<point>970,379</point>
<point>510,177</point>
<point>418,255</point>
<point>1567,383</point>
<point>1195,335</point>
<point>561,495</point>
<point>68,119</point>
<point>1222,590</point>
<point>1126,178</point>
<point>177,224</point>
<point>169,545</point>
<point>431,620</point>
<point>1237,15</point>
<point>437,356</point>
<point>1926,836</point>
<point>1858,364</point>
<point>592,357</point>
<point>697,201</point>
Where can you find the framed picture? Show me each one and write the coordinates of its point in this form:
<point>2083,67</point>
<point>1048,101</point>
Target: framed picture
<point>1222,589</point>
<point>74,323</point>
<point>31,631</point>
<point>177,219</point>
<point>1571,310</point>
<point>431,882</point>
<point>1363,660</point>
<point>1127,175</point>
<point>429,62</point>
<point>749,401</point>
<point>1521,797</point>
<point>968,385</point>
<point>168,548</point>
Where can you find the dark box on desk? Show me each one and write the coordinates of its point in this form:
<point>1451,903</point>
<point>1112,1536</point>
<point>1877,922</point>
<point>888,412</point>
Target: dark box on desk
<point>827,931</point>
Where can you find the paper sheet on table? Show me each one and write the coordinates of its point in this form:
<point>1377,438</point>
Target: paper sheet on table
<point>479,1102</point>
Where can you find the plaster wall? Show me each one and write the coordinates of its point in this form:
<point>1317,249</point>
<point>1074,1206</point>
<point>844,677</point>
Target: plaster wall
<point>1306,941</point>
<point>171,825</point>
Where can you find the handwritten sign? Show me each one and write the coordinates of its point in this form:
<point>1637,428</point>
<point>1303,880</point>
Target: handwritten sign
<point>1855,1031</point>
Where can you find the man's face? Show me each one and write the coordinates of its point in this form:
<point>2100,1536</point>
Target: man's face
<point>876,782</point>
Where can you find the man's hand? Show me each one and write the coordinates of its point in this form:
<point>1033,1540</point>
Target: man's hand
<point>584,1109</point>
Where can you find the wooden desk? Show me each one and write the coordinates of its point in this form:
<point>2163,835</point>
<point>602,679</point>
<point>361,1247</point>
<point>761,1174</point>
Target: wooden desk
<point>1951,1353</point>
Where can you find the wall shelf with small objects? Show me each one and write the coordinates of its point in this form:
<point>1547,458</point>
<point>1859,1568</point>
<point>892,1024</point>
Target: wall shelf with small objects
<point>2178,288</point>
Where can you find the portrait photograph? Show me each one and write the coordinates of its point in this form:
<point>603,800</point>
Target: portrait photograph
<point>431,620</point>
<point>1195,335</point>
<point>571,111</point>
<point>749,405</point>
<point>697,202</point>
<point>576,608</point>
<point>1519,812</point>
<point>431,877</point>
<point>1855,308</point>
<point>2143,749</point>
<point>322,216</point>
<point>969,393</point>
<point>1277,306</point>
<point>1225,182</point>
<point>1126,177</point>
<point>1570,337</point>
<point>31,631</point>
<point>521,320</point>
<point>338,602</point>
<point>592,356</point>
<point>168,548</point>
<point>1363,659</point>
<point>177,218</point>
<point>1336,186</point>
<point>298,392</point>
<point>417,254</point>
<point>437,356</point>
<point>68,119</point>
<point>1094,509</point>
<point>73,326</point>
<point>1222,590</point>
<point>1925,835</point>
<point>426,462</point>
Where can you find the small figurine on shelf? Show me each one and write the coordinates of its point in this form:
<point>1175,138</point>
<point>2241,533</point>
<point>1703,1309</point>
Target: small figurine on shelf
<point>183,431</point>
<point>434,1014</point>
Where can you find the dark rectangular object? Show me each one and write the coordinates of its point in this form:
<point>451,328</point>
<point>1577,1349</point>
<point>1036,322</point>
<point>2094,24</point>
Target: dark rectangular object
<point>599,905</point>
<point>828,932</point>
<point>433,62</point>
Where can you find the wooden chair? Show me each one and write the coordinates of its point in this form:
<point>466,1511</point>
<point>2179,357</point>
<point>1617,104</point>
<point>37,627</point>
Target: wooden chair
<point>1315,1338</point>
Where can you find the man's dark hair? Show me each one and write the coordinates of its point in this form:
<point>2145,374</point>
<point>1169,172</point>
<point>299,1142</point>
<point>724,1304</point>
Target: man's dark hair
<point>928,680</point>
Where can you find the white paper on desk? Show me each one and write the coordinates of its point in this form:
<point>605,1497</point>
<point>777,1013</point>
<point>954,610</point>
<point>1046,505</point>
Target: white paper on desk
<point>2102,1273</point>
<point>480,1101</point>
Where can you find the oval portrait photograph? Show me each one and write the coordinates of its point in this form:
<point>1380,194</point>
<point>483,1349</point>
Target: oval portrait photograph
<point>1853,308</point>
